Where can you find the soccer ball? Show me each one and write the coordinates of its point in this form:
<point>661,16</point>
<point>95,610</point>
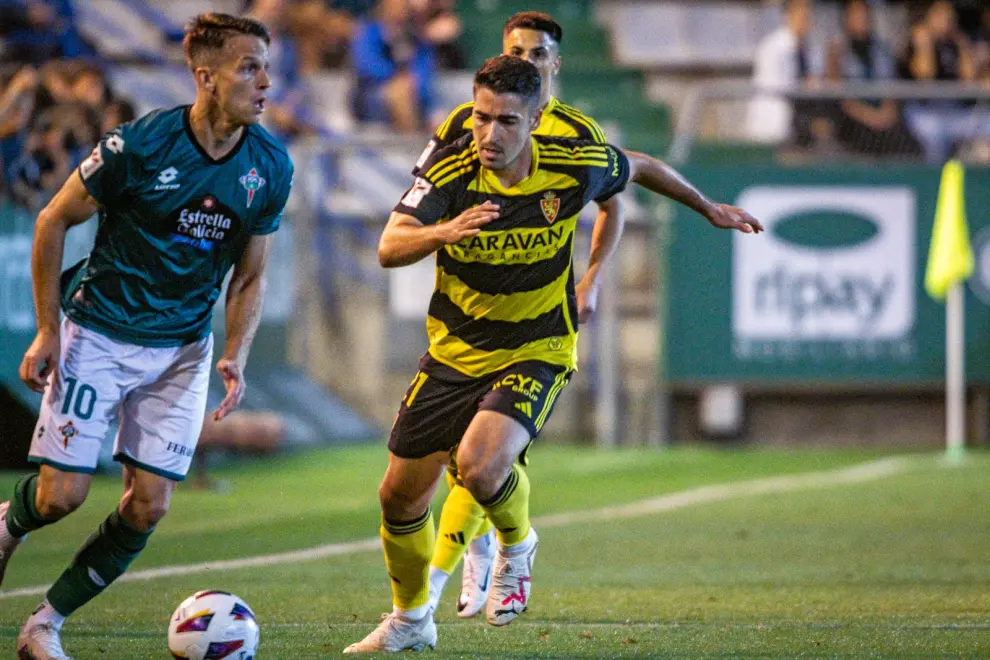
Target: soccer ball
<point>210,625</point>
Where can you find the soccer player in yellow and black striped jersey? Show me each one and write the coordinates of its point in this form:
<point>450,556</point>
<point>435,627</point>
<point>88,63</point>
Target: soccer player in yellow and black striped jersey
<point>499,209</point>
<point>535,37</point>
<point>463,530</point>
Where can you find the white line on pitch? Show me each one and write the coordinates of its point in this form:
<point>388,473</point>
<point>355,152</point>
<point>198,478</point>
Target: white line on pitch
<point>861,473</point>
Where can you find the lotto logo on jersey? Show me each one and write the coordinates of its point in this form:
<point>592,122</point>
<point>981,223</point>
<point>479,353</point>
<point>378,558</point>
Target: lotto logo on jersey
<point>252,182</point>
<point>115,143</point>
<point>166,179</point>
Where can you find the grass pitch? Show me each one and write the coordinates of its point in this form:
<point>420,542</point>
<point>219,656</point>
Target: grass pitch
<point>896,566</point>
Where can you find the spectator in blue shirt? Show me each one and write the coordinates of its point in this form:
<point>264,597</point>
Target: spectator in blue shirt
<point>394,67</point>
<point>35,31</point>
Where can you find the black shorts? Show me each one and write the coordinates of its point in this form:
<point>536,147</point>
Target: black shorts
<point>441,402</point>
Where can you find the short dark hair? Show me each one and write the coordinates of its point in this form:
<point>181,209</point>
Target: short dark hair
<point>505,74</point>
<point>210,32</point>
<point>535,20</point>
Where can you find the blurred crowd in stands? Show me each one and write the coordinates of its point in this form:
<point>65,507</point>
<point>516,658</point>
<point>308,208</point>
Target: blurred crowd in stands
<point>943,45</point>
<point>56,98</point>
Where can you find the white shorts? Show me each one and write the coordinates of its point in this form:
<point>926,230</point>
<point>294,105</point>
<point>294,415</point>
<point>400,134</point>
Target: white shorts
<point>157,394</point>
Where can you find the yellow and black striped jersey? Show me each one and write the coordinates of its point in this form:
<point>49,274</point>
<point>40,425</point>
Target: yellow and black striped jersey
<point>557,120</point>
<point>507,294</point>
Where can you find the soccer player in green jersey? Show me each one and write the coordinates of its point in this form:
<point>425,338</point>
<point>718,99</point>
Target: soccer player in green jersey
<point>183,196</point>
<point>499,210</point>
<point>463,529</point>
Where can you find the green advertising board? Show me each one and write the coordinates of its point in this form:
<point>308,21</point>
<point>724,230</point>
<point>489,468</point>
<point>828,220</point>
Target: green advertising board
<point>832,293</point>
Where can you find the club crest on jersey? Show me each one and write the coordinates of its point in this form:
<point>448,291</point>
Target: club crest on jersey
<point>252,182</point>
<point>68,431</point>
<point>550,205</point>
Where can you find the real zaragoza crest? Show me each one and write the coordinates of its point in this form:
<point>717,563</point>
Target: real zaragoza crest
<point>550,205</point>
<point>252,182</point>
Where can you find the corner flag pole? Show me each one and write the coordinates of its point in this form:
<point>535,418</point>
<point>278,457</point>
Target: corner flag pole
<point>950,263</point>
<point>955,371</point>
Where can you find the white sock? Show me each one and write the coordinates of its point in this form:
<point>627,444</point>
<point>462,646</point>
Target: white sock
<point>483,544</point>
<point>6,538</point>
<point>523,546</point>
<point>46,614</point>
<point>438,580</point>
<point>414,614</point>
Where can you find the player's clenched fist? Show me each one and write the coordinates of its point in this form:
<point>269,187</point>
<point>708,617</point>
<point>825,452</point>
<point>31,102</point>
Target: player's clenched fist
<point>40,359</point>
<point>467,224</point>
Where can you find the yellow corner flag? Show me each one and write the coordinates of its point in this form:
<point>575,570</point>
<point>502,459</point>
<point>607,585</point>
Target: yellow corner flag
<point>950,257</point>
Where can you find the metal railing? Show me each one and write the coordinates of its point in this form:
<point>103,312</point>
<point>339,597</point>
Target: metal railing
<point>689,117</point>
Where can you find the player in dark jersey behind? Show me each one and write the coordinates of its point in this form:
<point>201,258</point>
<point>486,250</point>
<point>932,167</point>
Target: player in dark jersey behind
<point>183,196</point>
<point>499,209</point>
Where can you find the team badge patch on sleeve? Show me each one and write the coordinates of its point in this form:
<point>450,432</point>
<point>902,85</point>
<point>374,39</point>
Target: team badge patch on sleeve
<point>419,190</point>
<point>91,164</point>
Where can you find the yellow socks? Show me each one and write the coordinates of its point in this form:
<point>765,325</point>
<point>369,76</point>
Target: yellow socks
<point>509,509</point>
<point>408,548</point>
<point>460,520</point>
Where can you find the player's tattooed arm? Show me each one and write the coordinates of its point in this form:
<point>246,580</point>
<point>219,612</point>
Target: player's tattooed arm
<point>71,206</point>
<point>605,237</point>
<point>245,295</point>
<point>406,240</point>
<point>657,176</point>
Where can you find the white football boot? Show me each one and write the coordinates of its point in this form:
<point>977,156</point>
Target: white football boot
<point>40,641</point>
<point>511,586</point>
<point>476,578</point>
<point>395,634</point>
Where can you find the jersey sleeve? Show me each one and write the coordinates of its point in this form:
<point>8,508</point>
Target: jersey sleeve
<point>451,129</point>
<point>605,182</point>
<point>110,170</point>
<point>595,131</point>
<point>588,129</point>
<point>271,217</point>
<point>424,201</point>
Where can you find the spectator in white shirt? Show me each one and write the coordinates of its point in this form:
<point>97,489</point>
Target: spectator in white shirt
<point>783,60</point>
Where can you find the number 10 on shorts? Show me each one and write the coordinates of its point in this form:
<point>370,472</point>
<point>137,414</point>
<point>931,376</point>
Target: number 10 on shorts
<point>79,400</point>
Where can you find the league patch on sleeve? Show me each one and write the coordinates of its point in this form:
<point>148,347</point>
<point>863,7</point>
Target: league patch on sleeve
<point>91,164</point>
<point>427,152</point>
<point>420,188</point>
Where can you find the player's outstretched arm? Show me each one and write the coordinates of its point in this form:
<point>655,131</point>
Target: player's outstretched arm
<point>605,237</point>
<point>245,295</point>
<point>406,240</point>
<point>655,175</point>
<point>71,206</point>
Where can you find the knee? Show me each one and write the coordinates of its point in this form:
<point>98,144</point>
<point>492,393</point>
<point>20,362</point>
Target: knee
<point>482,481</point>
<point>57,505</point>
<point>144,513</point>
<point>399,506</point>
